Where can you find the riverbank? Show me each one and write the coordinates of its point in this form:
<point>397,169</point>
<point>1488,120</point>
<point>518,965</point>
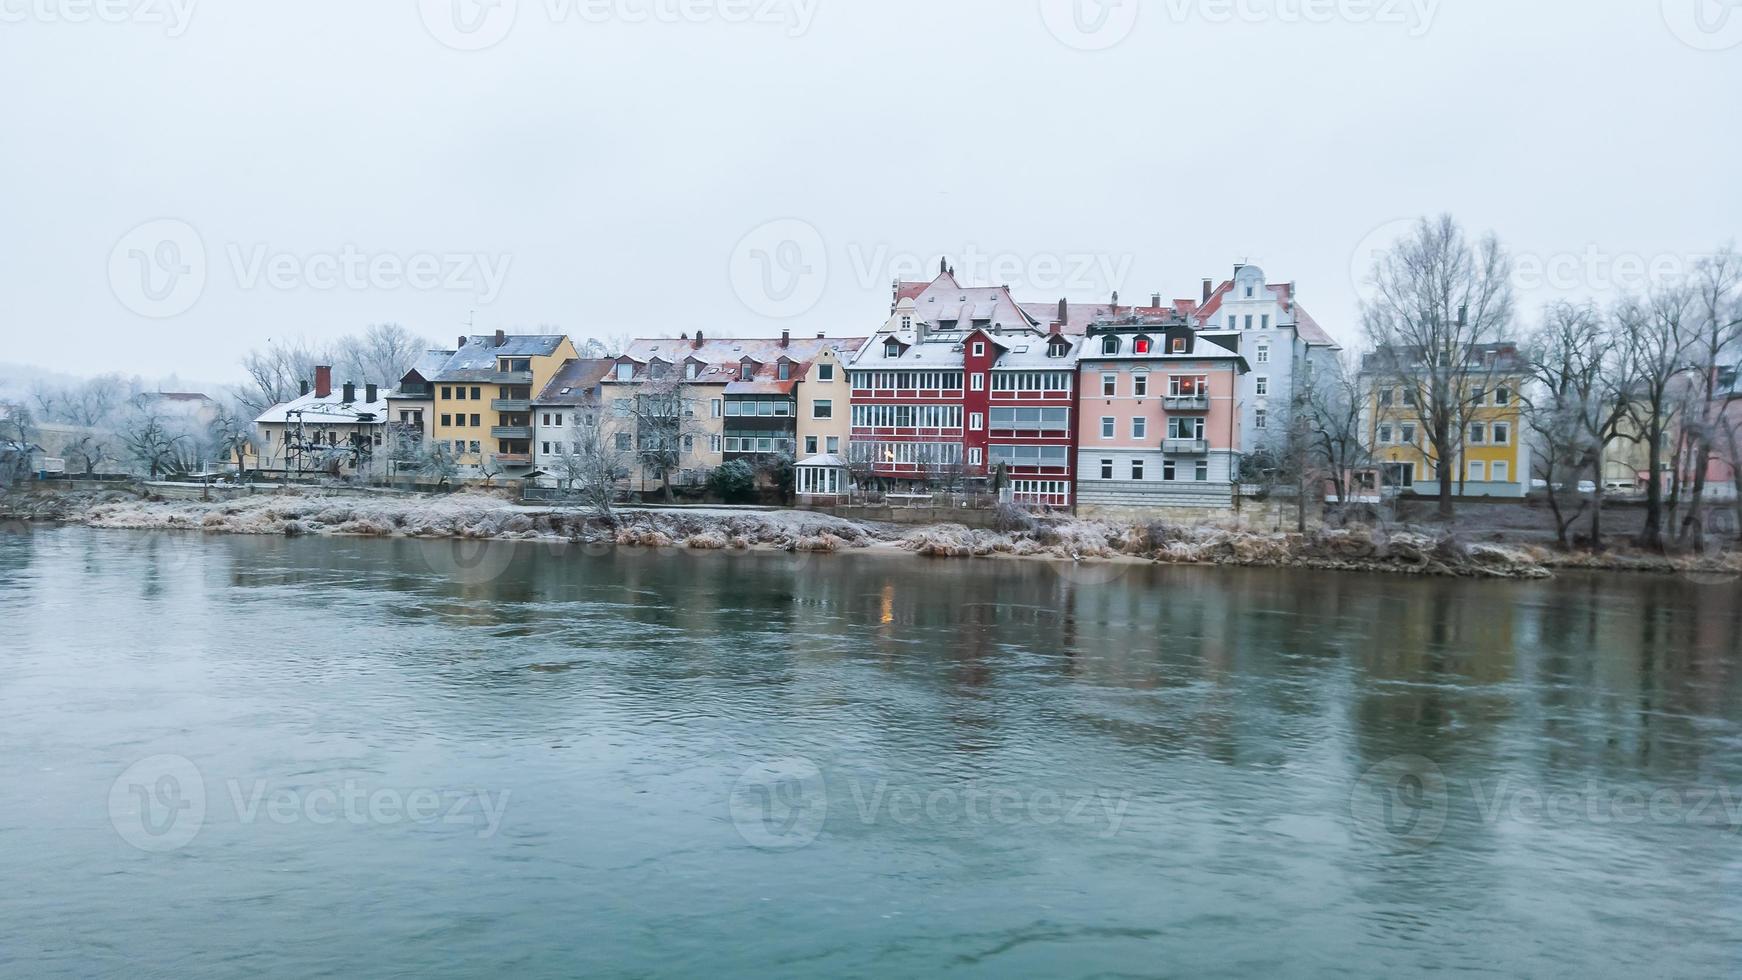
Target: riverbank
<point>483,516</point>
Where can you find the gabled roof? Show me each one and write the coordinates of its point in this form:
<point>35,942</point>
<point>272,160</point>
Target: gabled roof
<point>723,356</point>
<point>428,365</point>
<point>1283,293</point>
<point>312,409</point>
<point>477,360</point>
<point>576,382</point>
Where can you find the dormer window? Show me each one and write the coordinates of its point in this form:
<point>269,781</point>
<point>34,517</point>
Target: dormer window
<point>892,348</point>
<point>979,348</point>
<point>907,323</point>
<point>656,369</point>
<point>785,370</point>
<point>1109,345</point>
<point>746,371</point>
<point>691,369</point>
<point>1142,345</point>
<point>1179,345</point>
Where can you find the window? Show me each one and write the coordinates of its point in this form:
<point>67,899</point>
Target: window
<point>784,371</point>
<point>1502,396</point>
<point>1502,433</point>
<point>447,392</point>
<point>810,445</point>
<point>1231,323</point>
<point>473,447</point>
<point>1185,428</point>
<point>460,394</point>
<point>691,369</point>
<point>976,421</point>
<point>1202,473</point>
<point>447,420</point>
<point>475,422</point>
<point>1109,345</point>
<point>1478,433</point>
<point>892,348</point>
<point>625,372</point>
<point>1188,385</point>
<point>823,408</point>
<point>979,348</point>
<point>1137,469</point>
<point>974,456</point>
<point>714,408</point>
<point>1032,418</point>
<point>459,447</point>
<point>832,444</point>
<point>1179,345</point>
<point>1142,345</point>
<point>1499,471</point>
<point>623,441</point>
<point>1261,384</point>
<point>1385,435</point>
<point>1263,354</point>
<point>1408,436</point>
<point>825,372</point>
<point>1107,424</point>
<point>1249,296</point>
<point>475,395</point>
<point>689,444</point>
<point>1106,469</point>
<point>1249,317</point>
<point>460,421</point>
<point>1140,385</point>
<point>978,382</point>
<point>714,444</point>
<point>1139,427</point>
<point>1264,321</point>
<point>1109,385</point>
<point>544,447</point>
<point>1031,381</point>
<point>746,371</point>
<point>1386,397</point>
<point>1261,419</point>
<point>1169,472</point>
<point>907,323</point>
<point>1478,470</point>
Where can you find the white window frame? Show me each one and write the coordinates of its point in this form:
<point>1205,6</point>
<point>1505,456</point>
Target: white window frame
<point>1109,427</point>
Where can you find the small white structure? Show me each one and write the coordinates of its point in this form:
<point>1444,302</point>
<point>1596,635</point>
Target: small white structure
<point>822,479</point>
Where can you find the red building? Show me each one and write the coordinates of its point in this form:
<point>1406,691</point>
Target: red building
<point>959,381</point>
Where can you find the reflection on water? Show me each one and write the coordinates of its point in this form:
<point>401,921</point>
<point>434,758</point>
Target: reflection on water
<point>753,764</point>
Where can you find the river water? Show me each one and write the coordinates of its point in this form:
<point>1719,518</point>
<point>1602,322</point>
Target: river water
<point>229,755</point>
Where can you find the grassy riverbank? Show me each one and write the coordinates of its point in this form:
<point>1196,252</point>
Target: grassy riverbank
<point>1396,549</point>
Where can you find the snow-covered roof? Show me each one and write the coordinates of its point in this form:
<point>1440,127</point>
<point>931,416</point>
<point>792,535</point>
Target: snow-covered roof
<point>312,409</point>
<point>477,360</point>
<point>823,459</point>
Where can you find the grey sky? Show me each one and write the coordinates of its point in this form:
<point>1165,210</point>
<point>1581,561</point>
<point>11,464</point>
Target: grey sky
<point>606,165</point>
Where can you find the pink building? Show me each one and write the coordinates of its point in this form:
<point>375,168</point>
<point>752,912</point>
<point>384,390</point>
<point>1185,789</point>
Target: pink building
<point>1158,415</point>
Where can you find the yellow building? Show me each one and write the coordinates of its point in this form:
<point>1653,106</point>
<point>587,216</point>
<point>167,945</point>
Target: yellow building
<point>482,405</point>
<point>825,401</point>
<point>1491,458</point>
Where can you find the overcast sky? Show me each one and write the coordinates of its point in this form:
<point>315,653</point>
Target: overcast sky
<point>184,181</point>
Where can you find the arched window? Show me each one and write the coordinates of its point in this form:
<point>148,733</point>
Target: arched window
<point>1109,345</point>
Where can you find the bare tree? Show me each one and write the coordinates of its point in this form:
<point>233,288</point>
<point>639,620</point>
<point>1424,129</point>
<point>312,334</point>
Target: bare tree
<point>152,444</point>
<point>663,409</point>
<point>17,422</point>
<point>1655,334</point>
<point>275,372</point>
<point>592,467</point>
<point>382,353</point>
<point>232,438</point>
<point>1566,403</point>
<point>437,463</point>
<point>88,453</point>
<point>1712,340</point>
<point>1438,302</point>
<point>607,345</point>
<point>1332,405</point>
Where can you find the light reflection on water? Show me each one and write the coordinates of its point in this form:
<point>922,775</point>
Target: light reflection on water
<point>751,764</point>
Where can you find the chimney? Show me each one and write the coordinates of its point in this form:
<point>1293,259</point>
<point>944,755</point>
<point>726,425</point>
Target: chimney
<point>819,335</point>
<point>350,393</point>
<point>1208,289</point>
<point>698,338</point>
<point>684,336</point>
<point>461,342</point>
<point>501,338</point>
<point>302,387</point>
<point>1155,300</point>
<point>323,380</point>
<point>369,392</point>
<point>785,337</point>
<point>943,264</point>
<point>1064,311</point>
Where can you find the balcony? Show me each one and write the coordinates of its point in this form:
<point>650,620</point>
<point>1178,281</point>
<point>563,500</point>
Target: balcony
<point>1185,447</point>
<point>510,405</point>
<point>512,459</point>
<point>1188,403</point>
<point>510,378</point>
<point>511,431</point>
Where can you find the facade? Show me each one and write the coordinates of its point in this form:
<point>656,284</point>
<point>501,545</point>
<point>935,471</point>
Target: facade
<point>1281,342</point>
<point>1158,416</point>
<point>1492,458</point>
<point>482,406</point>
<point>564,412</point>
<point>411,404</point>
<point>340,431</point>
<point>825,402</point>
<point>961,384</point>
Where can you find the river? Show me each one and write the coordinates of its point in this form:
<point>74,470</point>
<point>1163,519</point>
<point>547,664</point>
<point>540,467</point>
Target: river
<point>320,756</point>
